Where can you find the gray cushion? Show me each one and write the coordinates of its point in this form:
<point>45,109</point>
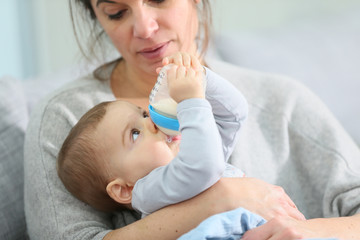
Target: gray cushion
<point>13,121</point>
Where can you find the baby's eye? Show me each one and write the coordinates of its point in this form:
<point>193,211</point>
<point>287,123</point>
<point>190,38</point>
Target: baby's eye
<point>135,134</point>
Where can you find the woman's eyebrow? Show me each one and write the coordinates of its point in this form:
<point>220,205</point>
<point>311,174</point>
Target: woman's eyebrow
<point>101,1</point>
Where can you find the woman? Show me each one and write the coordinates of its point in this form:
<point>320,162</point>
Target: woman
<point>290,139</point>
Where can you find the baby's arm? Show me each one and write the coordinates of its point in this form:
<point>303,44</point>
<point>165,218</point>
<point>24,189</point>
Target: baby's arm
<point>200,162</point>
<point>229,107</point>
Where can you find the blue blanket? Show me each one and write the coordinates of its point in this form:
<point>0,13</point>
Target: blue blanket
<point>227,226</point>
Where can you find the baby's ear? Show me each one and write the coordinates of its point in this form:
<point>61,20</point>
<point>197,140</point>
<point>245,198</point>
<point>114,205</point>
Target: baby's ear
<point>119,191</point>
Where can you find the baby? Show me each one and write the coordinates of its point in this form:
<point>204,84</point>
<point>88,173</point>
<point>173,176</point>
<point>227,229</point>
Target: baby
<point>115,157</point>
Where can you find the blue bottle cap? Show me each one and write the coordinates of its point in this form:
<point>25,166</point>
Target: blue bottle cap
<point>163,121</point>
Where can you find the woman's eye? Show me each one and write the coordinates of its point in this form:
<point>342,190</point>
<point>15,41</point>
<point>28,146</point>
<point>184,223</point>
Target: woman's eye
<point>117,15</point>
<point>157,1</point>
<point>135,134</point>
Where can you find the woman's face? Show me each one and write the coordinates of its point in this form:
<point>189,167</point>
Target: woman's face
<point>146,31</point>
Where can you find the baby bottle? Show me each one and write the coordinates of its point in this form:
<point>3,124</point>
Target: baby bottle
<point>162,107</point>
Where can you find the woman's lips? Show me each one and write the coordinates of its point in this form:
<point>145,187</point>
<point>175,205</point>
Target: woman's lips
<point>154,52</point>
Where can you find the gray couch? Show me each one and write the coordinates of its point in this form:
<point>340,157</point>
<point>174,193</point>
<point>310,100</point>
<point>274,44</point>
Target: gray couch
<point>17,99</point>
<point>13,121</point>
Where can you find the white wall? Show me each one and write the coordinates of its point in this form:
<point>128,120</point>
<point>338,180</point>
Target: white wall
<point>55,42</point>
<point>39,38</point>
<point>10,51</point>
<point>250,15</point>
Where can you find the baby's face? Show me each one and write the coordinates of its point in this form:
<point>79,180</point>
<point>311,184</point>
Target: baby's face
<point>135,146</point>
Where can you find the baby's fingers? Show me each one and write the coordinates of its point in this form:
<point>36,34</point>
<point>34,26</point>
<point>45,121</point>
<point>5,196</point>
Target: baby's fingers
<point>171,74</point>
<point>179,58</point>
<point>158,70</point>
<point>191,74</point>
<point>181,72</point>
<point>195,63</point>
<point>186,58</point>
<point>165,61</point>
<point>175,59</point>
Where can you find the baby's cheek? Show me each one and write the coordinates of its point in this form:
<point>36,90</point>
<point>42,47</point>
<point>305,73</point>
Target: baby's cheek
<point>175,148</point>
<point>163,155</point>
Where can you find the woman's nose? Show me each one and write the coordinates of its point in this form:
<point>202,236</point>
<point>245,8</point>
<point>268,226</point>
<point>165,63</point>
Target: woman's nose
<point>144,24</point>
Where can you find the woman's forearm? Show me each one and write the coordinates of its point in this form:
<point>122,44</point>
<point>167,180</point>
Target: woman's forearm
<point>342,227</point>
<point>173,221</point>
<point>228,193</point>
<point>346,228</point>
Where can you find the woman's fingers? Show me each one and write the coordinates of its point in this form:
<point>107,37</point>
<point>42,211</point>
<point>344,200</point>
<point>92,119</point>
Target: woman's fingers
<point>262,232</point>
<point>287,205</point>
<point>286,197</point>
<point>267,200</point>
<point>294,212</point>
<point>282,228</point>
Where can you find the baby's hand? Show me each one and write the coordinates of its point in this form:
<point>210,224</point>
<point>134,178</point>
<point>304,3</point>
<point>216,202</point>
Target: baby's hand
<point>184,83</point>
<point>184,59</point>
<point>185,78</point>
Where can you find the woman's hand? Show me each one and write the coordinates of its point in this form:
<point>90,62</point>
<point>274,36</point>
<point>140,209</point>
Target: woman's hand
<point>290,229</point>
<point>264,199</point>
<point>282,228</point>
<point>173,221</point>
